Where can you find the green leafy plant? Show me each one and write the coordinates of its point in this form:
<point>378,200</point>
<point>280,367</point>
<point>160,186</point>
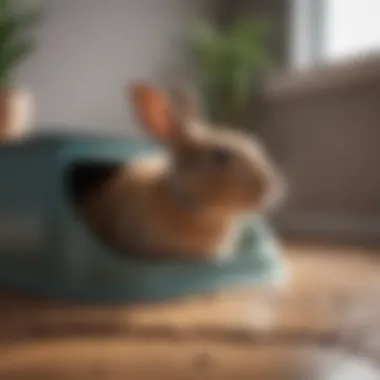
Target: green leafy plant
<point>16,39</point>
<point>230,63</point>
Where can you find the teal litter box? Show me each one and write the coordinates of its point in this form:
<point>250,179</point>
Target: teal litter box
<point>45,249</point>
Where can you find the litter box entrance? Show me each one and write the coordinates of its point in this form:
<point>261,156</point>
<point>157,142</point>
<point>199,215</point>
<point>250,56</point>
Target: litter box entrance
<point>84,178</point>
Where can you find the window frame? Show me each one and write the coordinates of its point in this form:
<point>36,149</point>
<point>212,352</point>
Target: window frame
<point>307,33</point>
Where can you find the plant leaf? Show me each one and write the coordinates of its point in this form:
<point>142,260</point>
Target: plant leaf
<point>17,23</point>
<point>16,41</point>
<point>11,57</point>
<point>229,63</point>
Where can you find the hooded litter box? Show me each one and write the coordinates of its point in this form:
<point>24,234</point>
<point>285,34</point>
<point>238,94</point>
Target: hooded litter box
<point>47,250</point>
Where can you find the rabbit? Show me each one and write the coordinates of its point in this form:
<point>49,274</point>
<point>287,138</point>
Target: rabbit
<point>184,203</point>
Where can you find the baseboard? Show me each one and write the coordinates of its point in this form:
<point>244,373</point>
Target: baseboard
<point>345,228</point>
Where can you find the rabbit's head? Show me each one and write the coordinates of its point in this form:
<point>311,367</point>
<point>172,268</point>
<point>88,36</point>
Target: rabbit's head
<point>222,170</point>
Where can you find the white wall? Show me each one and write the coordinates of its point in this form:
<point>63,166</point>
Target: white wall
<point>89,49</point>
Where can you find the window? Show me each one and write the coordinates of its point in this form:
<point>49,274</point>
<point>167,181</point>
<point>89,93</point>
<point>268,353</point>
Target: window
<point>327,31</point>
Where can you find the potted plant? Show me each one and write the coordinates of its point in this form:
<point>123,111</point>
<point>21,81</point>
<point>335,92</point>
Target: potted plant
<point>230,64</point>
<point>16,44</point>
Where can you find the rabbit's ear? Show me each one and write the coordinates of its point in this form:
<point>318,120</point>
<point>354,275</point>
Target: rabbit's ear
<point>154,110</point>
<point>186,101</point>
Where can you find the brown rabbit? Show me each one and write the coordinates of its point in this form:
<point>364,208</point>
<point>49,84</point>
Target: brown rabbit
<point>183,204</point>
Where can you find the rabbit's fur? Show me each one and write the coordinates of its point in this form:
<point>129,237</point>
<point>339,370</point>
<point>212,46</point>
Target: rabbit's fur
<point>183,204</point>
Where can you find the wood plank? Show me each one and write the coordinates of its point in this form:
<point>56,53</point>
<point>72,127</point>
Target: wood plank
<point>118,359</point>
<point>327,308</point>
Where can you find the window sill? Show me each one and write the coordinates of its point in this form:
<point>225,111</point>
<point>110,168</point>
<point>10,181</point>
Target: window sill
<point>336,76</point>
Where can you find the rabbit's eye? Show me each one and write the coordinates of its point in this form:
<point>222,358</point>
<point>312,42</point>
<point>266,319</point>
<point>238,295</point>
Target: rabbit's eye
<point>221,157</point>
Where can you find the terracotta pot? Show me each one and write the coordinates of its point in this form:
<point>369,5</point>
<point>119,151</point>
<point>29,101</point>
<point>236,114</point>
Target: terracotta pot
<point>15,113</point>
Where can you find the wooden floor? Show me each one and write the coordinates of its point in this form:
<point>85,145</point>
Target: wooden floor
<point>324,317</point>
